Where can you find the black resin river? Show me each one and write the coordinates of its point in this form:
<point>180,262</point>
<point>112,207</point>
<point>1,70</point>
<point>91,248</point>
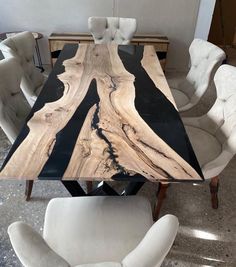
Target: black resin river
<point>104,115</point>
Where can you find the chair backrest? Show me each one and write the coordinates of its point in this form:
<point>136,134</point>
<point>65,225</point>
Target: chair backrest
<point>13,106</point>
<point>222,116</point>
<point>75,226</point>
<point>205,59</point>
<point>220,120</point>
<point>154,247</point>
<point>112,29</point>
<point>21,46</point>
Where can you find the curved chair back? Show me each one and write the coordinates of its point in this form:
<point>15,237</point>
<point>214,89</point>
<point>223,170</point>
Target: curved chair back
<point>78,214</point>
<point>112,29</point>
<point>205,59</point>
<point>21,46</point>
<point>13,106</point>
<point>160,237</point>
<point>96,231</point>
<point>220,120</point>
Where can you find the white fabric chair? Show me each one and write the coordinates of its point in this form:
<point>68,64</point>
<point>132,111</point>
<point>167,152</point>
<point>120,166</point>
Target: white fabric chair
<point>21,46</point>
<point>205,59</point>
<point>213,135</point>
<point>112,29</point>
<point>96,231</point>
<point>14,108</point>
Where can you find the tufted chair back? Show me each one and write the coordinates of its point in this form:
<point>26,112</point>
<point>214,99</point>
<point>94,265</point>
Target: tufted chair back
<point>13,106</point>
<point>220,120</point>
<point>112,29</point>
<point>205,60</point>
<point>21,46</point>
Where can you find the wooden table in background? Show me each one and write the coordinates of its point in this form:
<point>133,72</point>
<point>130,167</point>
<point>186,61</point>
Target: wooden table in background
<point>58,40</point>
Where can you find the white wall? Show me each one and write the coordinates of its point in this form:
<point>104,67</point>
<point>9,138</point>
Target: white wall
<point>174,18</point>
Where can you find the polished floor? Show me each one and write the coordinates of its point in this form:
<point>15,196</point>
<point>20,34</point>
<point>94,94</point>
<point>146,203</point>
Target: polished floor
<point>206,237</point>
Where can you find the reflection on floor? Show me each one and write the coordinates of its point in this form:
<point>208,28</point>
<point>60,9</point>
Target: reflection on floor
<point>206,237</point>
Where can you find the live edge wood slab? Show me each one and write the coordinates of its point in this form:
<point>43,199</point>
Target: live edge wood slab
<point>105,113</point>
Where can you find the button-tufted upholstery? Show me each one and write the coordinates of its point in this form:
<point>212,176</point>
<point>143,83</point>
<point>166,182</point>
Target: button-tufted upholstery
<point>13,106</point>
<point>112,29</point>
<point>96,231</point>
<point>21,46</point>
<point>213,135</point>
<point>205,59</point>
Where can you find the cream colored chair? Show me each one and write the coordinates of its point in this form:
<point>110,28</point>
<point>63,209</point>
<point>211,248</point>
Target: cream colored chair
<point>213,135</point>
<point>21,46</point>
<point>14,108</point>
<point>205,59</point>
<point>13,105</point>
<point>112,29</point>
<point>96,231</point>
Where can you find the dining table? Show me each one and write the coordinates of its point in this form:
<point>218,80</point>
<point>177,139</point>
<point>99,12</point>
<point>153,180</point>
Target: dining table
<point>105,113</point>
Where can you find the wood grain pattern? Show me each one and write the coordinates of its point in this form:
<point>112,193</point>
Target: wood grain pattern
<point>114,138</point>
<point>29,159</point>
<point>120,140</point>
<point>58,40</point>
<point>152,66</point>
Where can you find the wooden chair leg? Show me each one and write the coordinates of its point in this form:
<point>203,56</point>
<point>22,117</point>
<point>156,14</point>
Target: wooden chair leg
<point>214,186</point>
<point>89,185</point>
<point>28,189</point>
<point>161,194</point>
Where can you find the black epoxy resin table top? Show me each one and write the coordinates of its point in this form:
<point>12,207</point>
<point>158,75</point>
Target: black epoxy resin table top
<point>105,113</point>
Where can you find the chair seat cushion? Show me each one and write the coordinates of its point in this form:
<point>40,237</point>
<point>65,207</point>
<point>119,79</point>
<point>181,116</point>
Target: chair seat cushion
<point>181,99</point>
<point>110,227</point>
<point>205,145</point>
<point>101,264</point>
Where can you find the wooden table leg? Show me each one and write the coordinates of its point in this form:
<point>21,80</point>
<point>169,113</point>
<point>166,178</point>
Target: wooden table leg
<point>161,194</point>
<point>214,186</point>
<point>28,189</point>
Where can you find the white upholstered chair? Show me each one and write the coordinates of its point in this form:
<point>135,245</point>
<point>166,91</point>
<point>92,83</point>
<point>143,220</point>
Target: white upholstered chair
<point>213,135</point>
<point>96,231</point>
<point>112,29</point>
<point>205,59</point>
<point>14,107</point>
<point>21,46</point>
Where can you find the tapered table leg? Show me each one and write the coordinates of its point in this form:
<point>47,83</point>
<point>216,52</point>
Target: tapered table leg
<point>214,186</point>
<point>28,189</point>
<point>161,194</point>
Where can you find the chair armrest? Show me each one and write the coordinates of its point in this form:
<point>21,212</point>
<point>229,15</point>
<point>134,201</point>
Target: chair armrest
<point>192,121</point>
<point>216,166</point>
<point>155,245</point>
<point>31,248</point>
